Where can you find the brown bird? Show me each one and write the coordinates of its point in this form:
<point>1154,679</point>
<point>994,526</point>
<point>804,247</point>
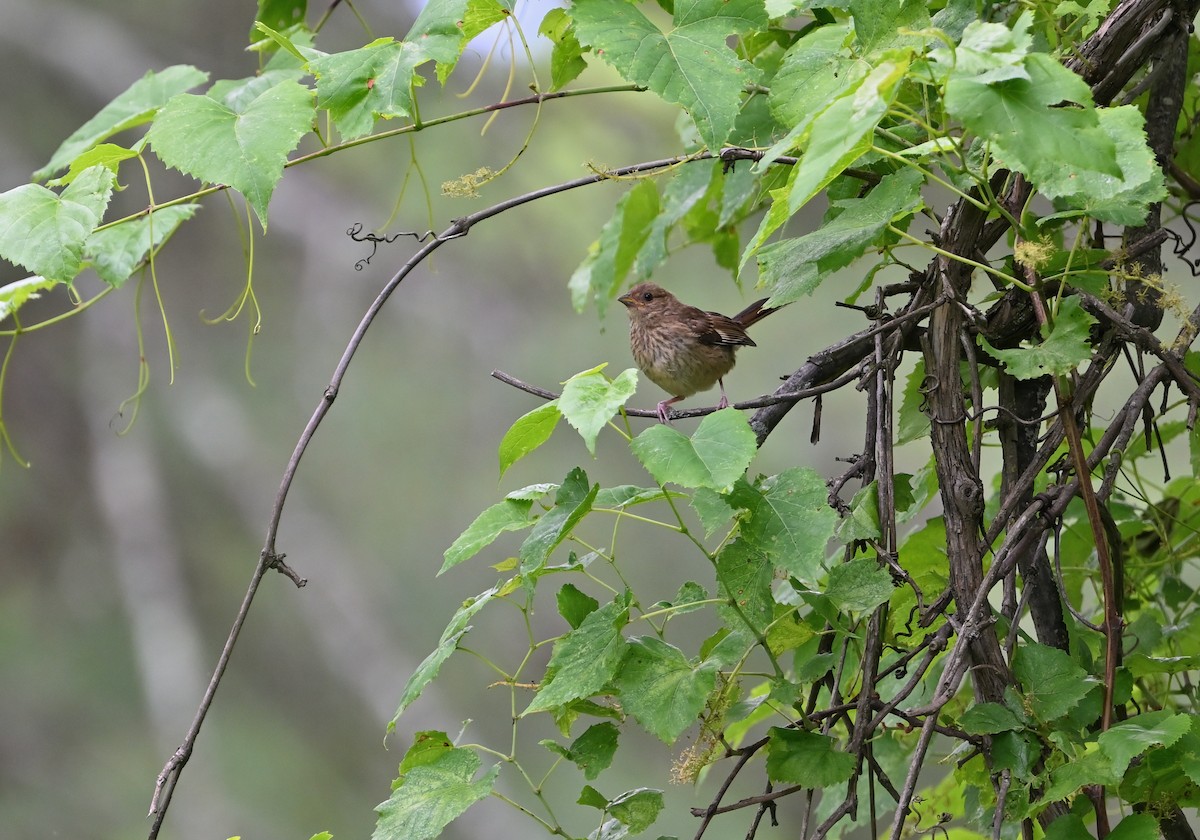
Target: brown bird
<point>682,349</point>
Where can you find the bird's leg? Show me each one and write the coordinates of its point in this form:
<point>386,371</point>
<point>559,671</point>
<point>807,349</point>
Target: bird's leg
<point>664,409</point>
<point>724,401</point>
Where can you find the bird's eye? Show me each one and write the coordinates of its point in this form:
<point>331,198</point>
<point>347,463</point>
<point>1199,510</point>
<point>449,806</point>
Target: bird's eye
<point>647,296</point>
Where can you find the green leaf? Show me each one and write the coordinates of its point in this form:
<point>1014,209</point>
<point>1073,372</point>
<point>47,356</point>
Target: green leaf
<point>16,294</point>
<point>242,139</point>
<point>136,106</point>
<point>840,135</point>
<point>1063,350</point>
<point>529,432</point>
<point>660,688</point>
<point>745,574</point>
<point>815,71</point>
<point>508,515</point>
<point>428,669</point>
<point>1124,200</point>
<point>428,746</point>
<point>1092,768</point>
<point>566,56</point>
<point>715,456</point>
<point>891,25</point>
<point>860,585</point>
<point>572,502</point>
<point>690,65</point>
<point>592,752</point>
<point>432,795</point>
<point>1136,827</point>
<point>610,257</point>
<point>1054,684</point>
<point>586,659</point>
<point>107,155</point>
<point>1068,827</point>
<point>589,400</point>
<point>627,495</point>
<point>790,521</point>
<point>990,719</point>
<point>794,268</point>
<point>988,52</point>
<point>280,14</point>
<point>592,798</point>
<point>863,521</point>
<point>574,605</point>
<point>913,423</point>
<point>1068,141</point>
<point>375,81</point>
<point>712,509</point>
<point>806,758</point>
<point>682,193</point>
<point>444,28</point>
<point>637,808</point>
<point>1130,738</point>
<point>45,232</point>
<point>116,252</point>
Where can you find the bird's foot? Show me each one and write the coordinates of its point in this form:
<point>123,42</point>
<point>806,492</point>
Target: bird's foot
<point>664,411</point>
<point>723,402</point>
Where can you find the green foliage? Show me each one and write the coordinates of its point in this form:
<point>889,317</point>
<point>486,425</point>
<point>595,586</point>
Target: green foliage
<point>827,644</point>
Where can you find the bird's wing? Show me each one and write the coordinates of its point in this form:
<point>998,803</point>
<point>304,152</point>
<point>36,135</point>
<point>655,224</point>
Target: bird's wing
<point>719,329</point>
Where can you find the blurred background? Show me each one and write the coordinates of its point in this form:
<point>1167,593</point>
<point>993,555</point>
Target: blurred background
<point>124,554</point>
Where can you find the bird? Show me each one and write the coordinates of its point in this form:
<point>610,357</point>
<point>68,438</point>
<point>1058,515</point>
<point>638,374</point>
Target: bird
<point>682,349</point>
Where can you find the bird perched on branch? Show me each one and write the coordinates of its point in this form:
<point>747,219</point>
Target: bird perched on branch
<point>682,349</point>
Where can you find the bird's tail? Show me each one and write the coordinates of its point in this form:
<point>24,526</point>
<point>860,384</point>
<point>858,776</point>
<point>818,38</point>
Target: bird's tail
<point>754,313</point>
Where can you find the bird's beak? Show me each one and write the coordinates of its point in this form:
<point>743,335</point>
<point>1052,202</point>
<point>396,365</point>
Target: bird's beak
<point>628,300</point>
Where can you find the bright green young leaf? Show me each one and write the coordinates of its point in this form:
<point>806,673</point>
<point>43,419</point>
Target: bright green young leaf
<point>574,605</point>
<point>660,688</point>
<point>1092,768</point>
<point>444,28</point>
<point>789,520</point>
<point>592,798</point>
<point>242,139</point>
<point>611,256</point>
<point>428,669</point>
<point>793,268</point>
<point>508,515</point>
<point>432,795</point>
<point>1130,738</point>
<point>1061,352</point>
<point>116,252</point>
<point>989,719</point>
<point>586,659</point>
<point>590,399</point>
<point>529,432</point>
<point>566,56</point>
<point>988,52</point>
<point>637,808</point>
<point>690,65</point>
<point>136,106</point>
<point>839,136</point>
<point>374,82</point>
<point>1124,200</point>
<point>572,502</point>
<point>16,294</point>
<point>715,456</point>
<point>1053,682</point>
<point>428,747</point>
<point>815,71</point>
<point>1068,141</point>
<point>806,758</point>
<point>45,232</point>
<point>107,155</point>
<point>860,585</point>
